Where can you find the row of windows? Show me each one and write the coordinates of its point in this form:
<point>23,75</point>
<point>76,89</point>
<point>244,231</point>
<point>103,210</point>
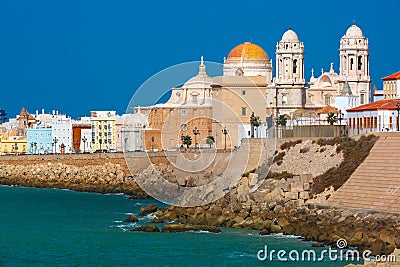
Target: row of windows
<point>371,122</point>
<point>14,149</point>
<point>352,63</point>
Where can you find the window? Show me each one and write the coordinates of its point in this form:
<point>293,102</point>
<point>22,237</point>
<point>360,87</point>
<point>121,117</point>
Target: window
<point>362,99</point>
<point>295,66</point>
<point>243,92</point>
<point>359,62</point>
<point>327,100</point>
<point>244,111</point>
<point>284,100</point>
<point>183,111</point>
<point>195,99</point>
<point>351,63</point>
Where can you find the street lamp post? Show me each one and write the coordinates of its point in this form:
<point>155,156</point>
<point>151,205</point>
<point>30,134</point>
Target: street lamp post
<point>398,113</point>
<point>84,140</point>
<point>182,139</point>
<point>32,147</point>
<point>252,119</point>
<point>225,132</point>
<point>195,132</point>
<point>55,140</point>
<point>152,144</point>
<point>126,143</point>
<point>35,145</point>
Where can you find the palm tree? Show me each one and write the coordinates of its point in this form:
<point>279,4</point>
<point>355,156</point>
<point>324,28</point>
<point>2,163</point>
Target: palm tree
<point>187,140</point>
<point>281,120</point>
<point>332,118</point>
<point>210,140</point>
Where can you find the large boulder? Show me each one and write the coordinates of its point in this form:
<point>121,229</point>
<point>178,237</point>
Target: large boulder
<point>178,228</point>
<point>131,218</point>
<point>147,229</point>
<point>144,210</point>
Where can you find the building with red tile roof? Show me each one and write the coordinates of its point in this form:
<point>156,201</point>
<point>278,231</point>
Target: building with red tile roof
<point>391,86</point>
<point>382,115</point>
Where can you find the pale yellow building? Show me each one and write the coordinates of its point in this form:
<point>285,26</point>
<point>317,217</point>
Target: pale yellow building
<point>391,85</point>
<point>13,147</point>
<point>103,131</point>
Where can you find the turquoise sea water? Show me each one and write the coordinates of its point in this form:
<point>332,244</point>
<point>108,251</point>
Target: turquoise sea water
<point>49,227</point>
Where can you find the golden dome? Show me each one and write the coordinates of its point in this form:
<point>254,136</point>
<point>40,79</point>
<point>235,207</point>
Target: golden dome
<point>247,50</point>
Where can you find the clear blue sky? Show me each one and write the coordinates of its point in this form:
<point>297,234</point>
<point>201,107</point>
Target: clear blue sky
<point>77,56</point>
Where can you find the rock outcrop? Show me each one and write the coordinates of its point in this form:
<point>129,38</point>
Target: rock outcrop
<point>178,228</point>
<point>144,210</point>
<point>131,218</point>
<point>147,229</point>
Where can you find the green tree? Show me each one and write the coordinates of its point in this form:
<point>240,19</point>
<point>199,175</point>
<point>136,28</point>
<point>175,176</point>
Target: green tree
<point>187,140</point>
<point>332,118</point>
<point>257,121</point>
<point>281,120</point>
<point>210,140</point>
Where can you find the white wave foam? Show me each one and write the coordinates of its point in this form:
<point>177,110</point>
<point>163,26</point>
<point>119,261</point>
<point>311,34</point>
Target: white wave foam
<point>281,235</point>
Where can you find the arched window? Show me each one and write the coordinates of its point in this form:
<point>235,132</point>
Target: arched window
<point>351,63</point>
<point>239,72</point>
<point>359,62</point>
<point>327,100</point>
<point>295,66</point>
<point>362,98</point>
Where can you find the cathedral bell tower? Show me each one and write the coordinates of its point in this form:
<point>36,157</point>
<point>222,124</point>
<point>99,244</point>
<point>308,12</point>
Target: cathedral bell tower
<point>354,63</point>
<point>290,84</point>
<point>290,60</point>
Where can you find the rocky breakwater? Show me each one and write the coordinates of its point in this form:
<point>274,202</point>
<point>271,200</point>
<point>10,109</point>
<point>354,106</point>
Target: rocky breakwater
<point>283,203</point>
<point>106,178</point>
<point>278,212</point>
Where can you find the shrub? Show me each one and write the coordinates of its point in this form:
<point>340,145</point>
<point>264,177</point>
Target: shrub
<point>285,145</point>
<point>289,144</point>
<point>354,153</point>
<point>329,141</point>
<point>279,157</point>
<point>304,149</point>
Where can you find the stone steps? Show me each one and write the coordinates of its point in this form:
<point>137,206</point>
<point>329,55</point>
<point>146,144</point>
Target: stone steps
<point>375,185</point>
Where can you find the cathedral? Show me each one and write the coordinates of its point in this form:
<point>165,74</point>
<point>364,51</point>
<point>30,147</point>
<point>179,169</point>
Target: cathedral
<point>219,106</point>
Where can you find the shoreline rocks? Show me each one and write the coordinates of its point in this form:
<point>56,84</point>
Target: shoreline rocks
<point>179,228</point>
<point>147,229</point>
<point>379,233</point>
<point>145,210</point>
<point>131,218</point>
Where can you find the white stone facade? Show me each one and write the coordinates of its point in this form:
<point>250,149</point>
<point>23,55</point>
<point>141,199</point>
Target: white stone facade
<point>61,132</point>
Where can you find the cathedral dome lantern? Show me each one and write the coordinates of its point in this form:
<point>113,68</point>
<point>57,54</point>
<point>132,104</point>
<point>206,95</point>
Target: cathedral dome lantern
<point>354,32</point>
<point>290,36</point>
<point>248,59</point>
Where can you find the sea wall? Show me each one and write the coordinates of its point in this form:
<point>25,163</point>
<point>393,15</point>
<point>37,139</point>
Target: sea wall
<point>103,173</point>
